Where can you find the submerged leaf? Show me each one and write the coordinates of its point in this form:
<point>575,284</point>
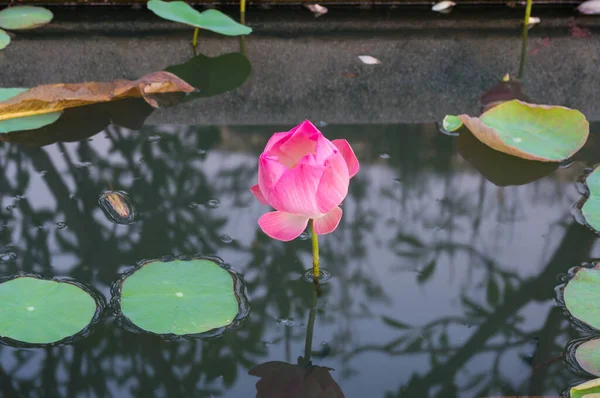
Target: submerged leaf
<point>118,207</point>
<point>24,17</point>
<point>24,123</point>
<point>212,20</point>
<point>56,97</point>
<point>38,311</point>
<point>4,39</point>
<point>589,389</point>
<point>582,294</point>
<point>535,132</point>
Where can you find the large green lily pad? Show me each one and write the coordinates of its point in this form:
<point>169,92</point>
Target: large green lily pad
<point>582,294</point>
<point>212,20</point>
<point>39,311</point>
<point>4,39</point>
<point>535,132</point>
<point>591,208</point>
<point>24,123</point>
<point>587,356</point>
<point>24,17</point>
<point>589,389</point>
<point>179,297</point>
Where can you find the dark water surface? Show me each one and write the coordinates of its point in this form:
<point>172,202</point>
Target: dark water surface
<point>443,271</point>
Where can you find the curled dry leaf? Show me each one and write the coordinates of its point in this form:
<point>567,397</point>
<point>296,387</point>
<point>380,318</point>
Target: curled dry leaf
<point>590,7</point>
<point>56,97</point>
<point>443,6</point>
<point>316,9</point>
<point>367,59</point>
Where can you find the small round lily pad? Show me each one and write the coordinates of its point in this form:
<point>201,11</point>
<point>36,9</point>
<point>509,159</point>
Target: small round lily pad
<point>590,210</point>
<point>24,17</point>
<point>182,296</point>
<point>4,39</point>
<point>586,354</point>
<point>41,311</point>
<point>581,295</point>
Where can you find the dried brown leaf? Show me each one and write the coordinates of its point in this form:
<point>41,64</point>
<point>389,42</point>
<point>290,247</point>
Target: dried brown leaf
<point>56,97</point>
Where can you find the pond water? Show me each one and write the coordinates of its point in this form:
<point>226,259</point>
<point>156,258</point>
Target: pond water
<point>444,266</point>
<point>443,282</point>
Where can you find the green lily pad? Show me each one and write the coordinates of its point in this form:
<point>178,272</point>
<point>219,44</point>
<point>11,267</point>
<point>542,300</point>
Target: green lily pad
<point>4,39</point>
<point>452,123</point>
<point>24,17</point>
<point>212,20</point>
<point>213,76</point>
<point>535,132</point>
<point>180,297</point>
<point>587,356</point>
<point>24,123</point>
<point>582,294</point>
<point>589,389</point>
<point>591,207</point>
<point>39,311</point>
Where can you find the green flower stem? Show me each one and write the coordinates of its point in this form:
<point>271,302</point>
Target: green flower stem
<point>315,250</point>
<point>242,6</point>
<point>524,39</point>
<point>310,327</point>
<point>195,40</point>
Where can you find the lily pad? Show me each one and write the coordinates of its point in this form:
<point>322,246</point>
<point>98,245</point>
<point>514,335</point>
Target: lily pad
<point>181,296</point>
<point>582,294</point>
<point>535,132</point>
<point>27,122</point>
<point>213,75</point>
<point>589,389</point>
<point>591,207</point>
<point>586,355</point>
<point>24,17</point>
<point>40,311</point>
<point>4,39</point>
<point>452,123</point>
<point>212,20</point>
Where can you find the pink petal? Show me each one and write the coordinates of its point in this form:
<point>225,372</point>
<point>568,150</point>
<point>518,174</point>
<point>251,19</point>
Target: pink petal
<point>282,226</point>
<point>255,189</point>
<point>302,142</point>
<point>333,186</point>
<point>349,156</point>
<point>324,150</point>
<point>269,173</point>
<point>276,140</point>
<point>328,223</point>
<point>296,191</point>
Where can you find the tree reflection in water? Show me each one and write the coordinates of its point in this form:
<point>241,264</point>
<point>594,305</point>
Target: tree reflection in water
<point>435,292</point>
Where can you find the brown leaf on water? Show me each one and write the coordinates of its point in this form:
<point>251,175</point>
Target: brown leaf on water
<point>56,97</point>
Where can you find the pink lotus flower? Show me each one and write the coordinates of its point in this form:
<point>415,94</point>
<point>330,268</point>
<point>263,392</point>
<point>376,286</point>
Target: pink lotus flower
<point>303,176</point>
